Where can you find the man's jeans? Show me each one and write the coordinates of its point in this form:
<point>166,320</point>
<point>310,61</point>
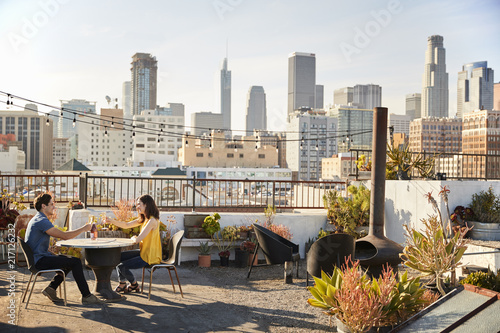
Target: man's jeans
<point>67,264</point>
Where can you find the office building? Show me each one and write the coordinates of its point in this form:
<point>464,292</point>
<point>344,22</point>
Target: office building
<point>256,118</point>
<point>225,95</point>
<point>435,80</point>
<point>158,137</point>
<point>301,81</point>
<point>414,105</point>
<point>474,88</point>
<point>354,129</point>
<point>102,145</point>
<point>34,132</point>
<point>203,122</point>
<point>436,135</point>
<point>481,135</point>
<point>66,126</point>
<point>367,96</point>
<point>343,96</point>
<point>215,150</point>
<point>127,99</point>
<point>400,123</point>
<point>320,96</point>
<point>311,136</point>
<point>143,82</point>
<point>338,167</point>
<point>61,150</point>
<point>496,96</point>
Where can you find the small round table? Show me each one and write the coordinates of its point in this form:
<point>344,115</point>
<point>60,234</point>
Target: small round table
<point>102,255</point>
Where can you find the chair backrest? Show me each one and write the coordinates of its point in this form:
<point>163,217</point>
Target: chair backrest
<point>174,248</point>
<point>276,249</point>
<point>28,254</point>
<point>329,251</point>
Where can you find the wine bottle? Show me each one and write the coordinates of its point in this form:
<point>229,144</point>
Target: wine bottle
<point>93,232</point>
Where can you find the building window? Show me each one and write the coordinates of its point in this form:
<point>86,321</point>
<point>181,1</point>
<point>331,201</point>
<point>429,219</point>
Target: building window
<point>199,154</point>
<point>241,155</point>
<point>262,155</point>
<point>230,155</point>
<point>210,155</point>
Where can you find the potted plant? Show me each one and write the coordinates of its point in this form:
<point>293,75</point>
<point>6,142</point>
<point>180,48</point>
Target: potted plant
<point>211,224</point>
<point>248,247</point>
<point>347,215</point>
<point>401,162</point>
<point>204,254</point>
<point>488,280</point>
<point>224,240</point>
<point>243,232</point>
<point>359,303</point>
<point>10,209</point>
<point>364,167</point>
<point>485,219</point>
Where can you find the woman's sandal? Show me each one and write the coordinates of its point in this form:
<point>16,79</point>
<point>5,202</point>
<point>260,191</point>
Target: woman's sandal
<point>133,288</point>
<point>121,288</point>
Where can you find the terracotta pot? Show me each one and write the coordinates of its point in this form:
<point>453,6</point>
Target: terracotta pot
<point>253,260</point>
<point>204,260</point>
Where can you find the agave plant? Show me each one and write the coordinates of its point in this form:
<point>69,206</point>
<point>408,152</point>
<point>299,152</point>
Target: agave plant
<point>402,161</point>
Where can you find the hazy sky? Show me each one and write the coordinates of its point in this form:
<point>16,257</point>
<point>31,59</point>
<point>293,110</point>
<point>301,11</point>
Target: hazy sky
<point>52,50</point>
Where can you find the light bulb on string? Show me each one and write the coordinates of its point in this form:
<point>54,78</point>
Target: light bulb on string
<point>105,131</point>
<point>158,141</point>
<point>112,122</point>
<point>74,120</point>
<point>47,123</point>
<point>61,113</point>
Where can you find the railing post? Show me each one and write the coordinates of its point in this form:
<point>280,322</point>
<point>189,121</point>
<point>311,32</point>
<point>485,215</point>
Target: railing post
<point>194,193</point>
<point>82,191</point>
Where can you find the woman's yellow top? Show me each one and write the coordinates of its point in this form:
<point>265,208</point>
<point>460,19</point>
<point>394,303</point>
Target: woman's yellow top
<point>151,245</point>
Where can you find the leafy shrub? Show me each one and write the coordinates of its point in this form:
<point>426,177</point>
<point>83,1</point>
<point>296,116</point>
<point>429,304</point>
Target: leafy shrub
<point>484,280</point>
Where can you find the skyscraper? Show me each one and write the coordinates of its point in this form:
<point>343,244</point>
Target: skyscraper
<point>414,105</point>
<point>126,100</point>
<point>343,96</point>
<point>435,80</point>
<point>66,128</point>
<point>474,88</point>
<point>320,96</point>
<point>367,96</point>
<point>256,109</point>
<point>225,94</point>
<point>301,81</point>
<point>143,84</point>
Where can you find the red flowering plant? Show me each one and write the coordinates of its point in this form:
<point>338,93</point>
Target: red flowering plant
<point>10,209</point>
<point>225,253</point>
<point>248,245</point>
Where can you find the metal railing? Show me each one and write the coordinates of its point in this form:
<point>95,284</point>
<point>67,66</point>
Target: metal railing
<point>451,165</point>
<point>179,194</point>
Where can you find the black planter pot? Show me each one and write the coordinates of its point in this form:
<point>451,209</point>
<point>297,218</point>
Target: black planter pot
<point>241,258</point>
<point>224,261</point>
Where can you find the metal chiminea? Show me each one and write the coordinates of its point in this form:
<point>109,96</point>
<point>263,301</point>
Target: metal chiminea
<point>375,250</point>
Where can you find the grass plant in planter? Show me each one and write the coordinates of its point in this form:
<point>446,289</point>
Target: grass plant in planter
<point>485,221</point>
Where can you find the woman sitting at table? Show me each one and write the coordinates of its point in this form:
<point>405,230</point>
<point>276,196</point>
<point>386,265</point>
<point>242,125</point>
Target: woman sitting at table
<point>149,240</point>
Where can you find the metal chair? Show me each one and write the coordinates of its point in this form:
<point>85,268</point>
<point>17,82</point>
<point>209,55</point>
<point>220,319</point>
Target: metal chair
<point>170,263</point>
<point>327,252</point>
<point>276,249</point>
<point>28,254</point>
<point>21,223</point>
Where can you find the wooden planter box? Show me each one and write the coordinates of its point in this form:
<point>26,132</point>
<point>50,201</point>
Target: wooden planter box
<point>192,226</point>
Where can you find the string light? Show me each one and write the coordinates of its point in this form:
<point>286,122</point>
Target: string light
<point>158,141</point>
<point>74,120</point>
<point>61,113</point>
<point>47,123</point>
<point>112,122</point>
<point>105,131</point>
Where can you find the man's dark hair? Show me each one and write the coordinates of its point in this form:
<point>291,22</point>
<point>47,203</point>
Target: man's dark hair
<point>42,199</point>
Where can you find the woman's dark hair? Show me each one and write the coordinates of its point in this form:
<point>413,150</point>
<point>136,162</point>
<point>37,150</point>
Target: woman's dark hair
<point>151,209</point>
<point>42,199</point>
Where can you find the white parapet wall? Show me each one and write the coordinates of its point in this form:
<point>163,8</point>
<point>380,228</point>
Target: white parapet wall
<point>302,225</point>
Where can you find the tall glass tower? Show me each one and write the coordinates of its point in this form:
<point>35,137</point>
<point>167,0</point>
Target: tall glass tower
<point>225,95</point>
<point>256,109</point>
<point>474,88</point>
<point>435,80</point>
<point>301,81</point>
<point>143,84</point>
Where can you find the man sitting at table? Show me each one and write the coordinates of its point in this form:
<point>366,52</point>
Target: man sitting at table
<point>38,236</point>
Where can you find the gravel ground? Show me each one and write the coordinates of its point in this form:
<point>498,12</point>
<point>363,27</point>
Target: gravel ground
<point>265,297</point>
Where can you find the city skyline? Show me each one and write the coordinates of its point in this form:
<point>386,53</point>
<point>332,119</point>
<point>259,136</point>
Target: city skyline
<point>68,56</point>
